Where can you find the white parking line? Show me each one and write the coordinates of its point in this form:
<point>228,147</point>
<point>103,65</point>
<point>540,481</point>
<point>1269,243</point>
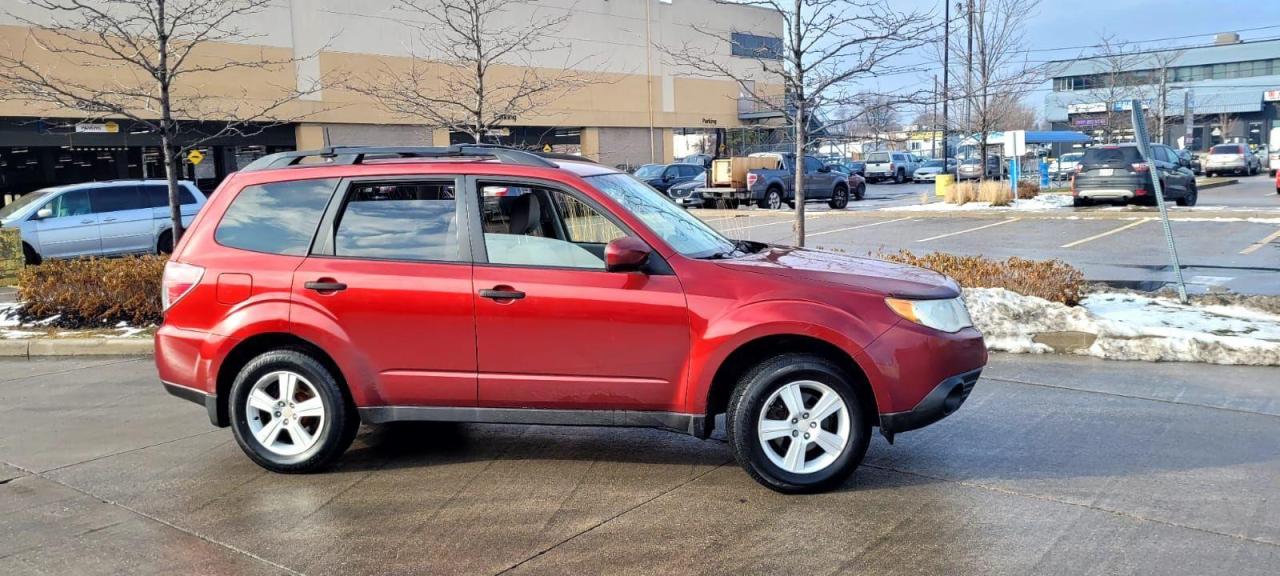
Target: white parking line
<point>1259,244</point>
<point>968,230</point>
<point>783,221</point>
<point>1107,233</point>
<point>857,227</point>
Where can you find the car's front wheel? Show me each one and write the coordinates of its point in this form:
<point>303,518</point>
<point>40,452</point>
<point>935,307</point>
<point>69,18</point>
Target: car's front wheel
<point>288,413</point>
<point>839,198</point>
<point>900,177</point>
<point>796,424</point>
<point>860,191</point>
<point>1190,198</point>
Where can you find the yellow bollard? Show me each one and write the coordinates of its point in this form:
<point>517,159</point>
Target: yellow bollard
<point>941,183</point>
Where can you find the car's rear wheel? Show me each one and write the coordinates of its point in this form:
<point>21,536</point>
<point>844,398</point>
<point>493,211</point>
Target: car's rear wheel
<point>288,413</point>
<point>839,198</point>
<point>1081,202</point>
<point>796,424</point>
<point>29,255</point>
<point>772,199</point>
<point>164,245</point>
<point>860,191</point>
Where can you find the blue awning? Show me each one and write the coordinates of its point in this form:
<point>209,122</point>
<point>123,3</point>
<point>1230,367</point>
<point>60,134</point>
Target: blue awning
<point>1056,137</point>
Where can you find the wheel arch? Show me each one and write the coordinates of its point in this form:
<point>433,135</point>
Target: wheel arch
<point>246,350</point>
<point>750,353</point>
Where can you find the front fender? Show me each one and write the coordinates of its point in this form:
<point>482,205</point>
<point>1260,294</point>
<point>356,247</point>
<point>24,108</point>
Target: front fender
<point>729,332</point>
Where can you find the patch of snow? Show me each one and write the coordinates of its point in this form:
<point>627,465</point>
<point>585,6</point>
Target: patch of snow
<point>1130,327</point>
<point>8,334</point>
<point>9,314</point>
<point>1039,203</point>
<point>47,321</point>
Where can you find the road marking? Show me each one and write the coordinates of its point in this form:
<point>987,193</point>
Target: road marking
<point>969,230</point>
<point>1263,242</point>
<point>857,227</point>
<point>1107,233</point>
<point>783,221</point>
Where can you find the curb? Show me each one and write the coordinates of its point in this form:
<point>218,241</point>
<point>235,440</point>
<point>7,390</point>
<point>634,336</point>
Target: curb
<point>1219,184</point>
<point>37,347</point>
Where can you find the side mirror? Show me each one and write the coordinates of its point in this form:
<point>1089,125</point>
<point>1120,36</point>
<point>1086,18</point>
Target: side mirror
<point>626,254</point>
<point>43,213</point>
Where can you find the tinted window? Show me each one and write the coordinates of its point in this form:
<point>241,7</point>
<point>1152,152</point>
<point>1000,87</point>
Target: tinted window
<point>399,221</point>
<point>690,170</point>
<point>158,195</point>
<point>811,164</point>
<point>117,198</point>
<point>279,218</point>
<point>1111,155</point>
<point>73,203</point>
<point>536,226</point>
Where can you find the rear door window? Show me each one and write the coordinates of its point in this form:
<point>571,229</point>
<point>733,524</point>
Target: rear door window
<point>158,195</point>
<point>415,221</point>
<point>276,218</point>
<point>117,198</point>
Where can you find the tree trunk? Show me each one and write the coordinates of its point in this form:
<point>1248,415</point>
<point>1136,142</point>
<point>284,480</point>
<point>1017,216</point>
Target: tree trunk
<point>801,136</point>
<point>171,174</point>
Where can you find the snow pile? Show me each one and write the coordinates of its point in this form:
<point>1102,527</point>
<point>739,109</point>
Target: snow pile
<point>1129,327</point>
<point>1039,203</point>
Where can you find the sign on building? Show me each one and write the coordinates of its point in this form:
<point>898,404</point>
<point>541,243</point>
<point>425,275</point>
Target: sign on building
<point>98,127</point>
<point>1271,96</point>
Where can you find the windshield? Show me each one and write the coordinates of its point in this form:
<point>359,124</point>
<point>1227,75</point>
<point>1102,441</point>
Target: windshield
<point>933,164</point>
<point>685,233</point>
<point>26,200</point>
<point>650,171</point>
<point>1072,157</point>
<point>878,157</point>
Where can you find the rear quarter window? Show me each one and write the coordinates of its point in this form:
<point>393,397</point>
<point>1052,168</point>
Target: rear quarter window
<point>278,218</point>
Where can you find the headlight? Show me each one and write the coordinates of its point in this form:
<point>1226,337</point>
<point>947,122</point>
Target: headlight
<point>948,315</point>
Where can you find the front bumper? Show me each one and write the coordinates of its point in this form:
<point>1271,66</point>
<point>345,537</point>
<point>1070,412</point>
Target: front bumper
<point>930,177</point>
<point>944,399</point>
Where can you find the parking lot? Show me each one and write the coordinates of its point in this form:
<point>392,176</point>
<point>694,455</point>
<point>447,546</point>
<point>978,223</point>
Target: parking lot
<point>1231,240</point>
<point>1056,465</point>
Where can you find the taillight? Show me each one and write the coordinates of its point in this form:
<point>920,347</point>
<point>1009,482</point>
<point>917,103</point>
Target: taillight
<point>752,178</point>
<point>891,166</point>
<point>177,282</point>
<point>1079,168</point>
<point>1141,167</point>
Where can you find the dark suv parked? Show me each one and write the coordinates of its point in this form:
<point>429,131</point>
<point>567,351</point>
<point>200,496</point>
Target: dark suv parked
<point>1118,173</point>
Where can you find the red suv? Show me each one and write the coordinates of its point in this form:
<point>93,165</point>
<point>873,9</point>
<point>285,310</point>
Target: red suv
<point>319,290</point>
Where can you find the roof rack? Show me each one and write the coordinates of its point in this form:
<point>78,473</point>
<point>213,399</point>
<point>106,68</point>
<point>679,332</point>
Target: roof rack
<point>347,155</point>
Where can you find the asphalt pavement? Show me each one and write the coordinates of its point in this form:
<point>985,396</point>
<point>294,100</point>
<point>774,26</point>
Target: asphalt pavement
<point>1056,465</point>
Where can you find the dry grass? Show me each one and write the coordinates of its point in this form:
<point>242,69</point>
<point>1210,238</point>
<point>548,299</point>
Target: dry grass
<point>93,292</point>
<point>1049,279</point>
<point>995,192</point>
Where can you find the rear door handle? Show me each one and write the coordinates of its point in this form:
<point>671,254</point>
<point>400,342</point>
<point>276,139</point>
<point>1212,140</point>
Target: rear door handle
<point>325,285</point>
<point>498,294</point>
<point>86,221</point>
<point>108,219</point>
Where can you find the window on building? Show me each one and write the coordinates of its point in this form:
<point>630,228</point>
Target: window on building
<point>754,46</point>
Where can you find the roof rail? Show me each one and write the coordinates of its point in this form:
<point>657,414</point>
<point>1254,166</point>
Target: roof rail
<point>347,155</point>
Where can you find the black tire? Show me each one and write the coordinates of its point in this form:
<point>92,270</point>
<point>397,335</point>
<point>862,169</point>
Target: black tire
<point>336,433</point>
<point>860,192</point>
<point>1081,202</point>
<point>900,177</point>
<point>772,199</point>
<point>839,198</point>
<point>164,245</point>
<point>1273,173</point>
<point>29,255</point>
<point>1190,198</point>
<point>755,388</point>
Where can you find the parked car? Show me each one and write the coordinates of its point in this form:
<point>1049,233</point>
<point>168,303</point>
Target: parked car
<point>663,176</point>
<point>774,188</point>
<point>929,171</point>
<point>857,186</point>
<point>1118,173</point>
<point>896,166</point>
<point>1190,160</point>
<point>1233,158</point>
<point>849,166</point>
<point>107,218</point>
<point>294,326</point>
<point>1065,165</point>
<point>686,193</point>
<point>971,169</point>
<point>1273,161</point>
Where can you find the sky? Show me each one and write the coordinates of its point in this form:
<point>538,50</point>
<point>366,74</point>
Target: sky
<point>1073,23</point>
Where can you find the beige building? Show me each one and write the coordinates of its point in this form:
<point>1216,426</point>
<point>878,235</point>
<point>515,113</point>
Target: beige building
<point>638,108</point>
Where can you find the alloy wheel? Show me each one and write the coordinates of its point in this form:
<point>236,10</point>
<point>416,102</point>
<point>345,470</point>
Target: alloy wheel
<point>774,200</point>
<point>803,426</point>
<point>285,413</point>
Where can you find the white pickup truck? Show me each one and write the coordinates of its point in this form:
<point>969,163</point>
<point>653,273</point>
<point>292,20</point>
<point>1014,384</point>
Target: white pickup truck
<point>890,165</point>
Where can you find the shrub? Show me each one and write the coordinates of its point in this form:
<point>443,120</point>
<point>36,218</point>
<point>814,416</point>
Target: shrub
<point>1049,279</point>
<point>1027,190</point>
<point>93,292</point>
<point>961,193</point>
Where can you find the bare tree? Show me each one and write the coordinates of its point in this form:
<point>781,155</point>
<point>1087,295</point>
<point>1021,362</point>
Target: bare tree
<point>1115,84</point>
<point>473,66</point>
<point>154,50</point>
<point>826,47</point>
<point>997,60</point>
<point>877,116</point>
<point>1227,124</point>
<point>1163,65</point>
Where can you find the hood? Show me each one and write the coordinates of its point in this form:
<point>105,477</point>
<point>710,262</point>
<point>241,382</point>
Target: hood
<point>866,275</point>
<point>929,170</point>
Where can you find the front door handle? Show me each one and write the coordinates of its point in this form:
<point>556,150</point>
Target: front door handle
<point>86,221</point>
<point>499,293</point>
<point>325,286</point>
<point>108,219</point>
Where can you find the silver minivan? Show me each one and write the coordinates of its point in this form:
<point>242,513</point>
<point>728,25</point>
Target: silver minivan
<point>98,218</point>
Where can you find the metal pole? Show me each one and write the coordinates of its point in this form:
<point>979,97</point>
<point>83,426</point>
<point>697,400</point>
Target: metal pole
<point>1188,121</point>
<point>946,75</point>
<point>933,122</point>
<point>1143,138</point>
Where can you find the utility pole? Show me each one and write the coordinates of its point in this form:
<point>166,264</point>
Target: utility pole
<point>933,121</point>
<point>1188,121</point>
<point>946,75</point>
<point>968,76</point>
